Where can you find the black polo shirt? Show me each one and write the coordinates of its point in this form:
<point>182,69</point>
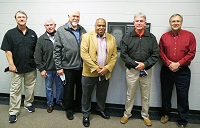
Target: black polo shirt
<point>22,48</point>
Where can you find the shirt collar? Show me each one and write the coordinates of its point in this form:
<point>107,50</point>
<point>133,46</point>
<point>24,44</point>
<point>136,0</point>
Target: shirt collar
<point>70,27</point>
<point>49,35</point>
<point>140,34</point>
<point>104,36</point>
<point>21,30</point>
<point>178,34</point>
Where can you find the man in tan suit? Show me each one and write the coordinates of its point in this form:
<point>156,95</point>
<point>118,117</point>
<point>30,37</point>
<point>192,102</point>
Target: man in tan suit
<point>99,54</point>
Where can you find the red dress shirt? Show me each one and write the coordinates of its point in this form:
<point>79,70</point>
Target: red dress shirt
<point>180,48</point>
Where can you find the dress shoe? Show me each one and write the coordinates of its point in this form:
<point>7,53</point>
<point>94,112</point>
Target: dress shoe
<point>147,122</point>
<point>86,121</point>
<point>181,126</point>
<point>124,120</point>
<point>49,109</point>
<point>164,119</point>
<point>103,115</point>
<point>61,105</point>
<point>70,115</point>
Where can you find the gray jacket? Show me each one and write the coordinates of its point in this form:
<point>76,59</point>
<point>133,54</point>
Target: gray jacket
<point>66,48</point>
<point>44,53</point>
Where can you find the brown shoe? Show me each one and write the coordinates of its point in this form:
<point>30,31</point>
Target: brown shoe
<point>49,109</point>
<point>124,120</point>
<point>164,119</point>
<point>147,122</point>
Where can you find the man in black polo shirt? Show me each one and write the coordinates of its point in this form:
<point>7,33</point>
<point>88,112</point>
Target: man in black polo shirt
<point>19,46</point>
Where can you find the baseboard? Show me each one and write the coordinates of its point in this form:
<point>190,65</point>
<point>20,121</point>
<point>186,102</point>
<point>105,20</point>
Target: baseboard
<point>113,108</point>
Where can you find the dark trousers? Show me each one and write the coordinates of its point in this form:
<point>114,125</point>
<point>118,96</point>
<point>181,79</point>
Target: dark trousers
<point>181,80</point>
<point>88,84</point>
<point>72,77</point>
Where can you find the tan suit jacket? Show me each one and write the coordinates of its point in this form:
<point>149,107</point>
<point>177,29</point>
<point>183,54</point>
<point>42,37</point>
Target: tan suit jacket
<point>89,54</point>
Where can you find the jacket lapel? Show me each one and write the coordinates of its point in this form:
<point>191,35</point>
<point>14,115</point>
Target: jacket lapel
<point>94,40</point>
<point>108,43</point>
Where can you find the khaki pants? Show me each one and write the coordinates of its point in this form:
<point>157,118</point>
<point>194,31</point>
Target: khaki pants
<point>16,89</point>
<point>133,79</point>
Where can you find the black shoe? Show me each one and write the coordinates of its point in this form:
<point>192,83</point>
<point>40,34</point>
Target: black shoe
<point>181,126</point>
<point>103,115</point>
<point>70,115</point>
<point>30,108</point>
<point>12,118</point>
<point>49,109</point>
<point>86,121</point>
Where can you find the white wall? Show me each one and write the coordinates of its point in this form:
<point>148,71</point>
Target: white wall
<point>157,11</point>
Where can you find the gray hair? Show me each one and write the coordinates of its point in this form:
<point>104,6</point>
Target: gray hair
<point>22,12</point>
<point>174,16</point>
<point>73,10</point>
<point>49,20</point>
<point>140,14</point>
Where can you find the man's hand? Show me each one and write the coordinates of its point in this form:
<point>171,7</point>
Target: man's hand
<point>43,73</point>
<point>12,68</point>
<point>140,66</point>
<point>174,66</point>
<point>60,72</point>
<point>102,71</point>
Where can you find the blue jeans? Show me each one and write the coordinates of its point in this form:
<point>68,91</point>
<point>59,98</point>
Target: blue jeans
<point>52,77</point>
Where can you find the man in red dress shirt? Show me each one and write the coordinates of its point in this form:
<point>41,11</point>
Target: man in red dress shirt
<point>177,50</point>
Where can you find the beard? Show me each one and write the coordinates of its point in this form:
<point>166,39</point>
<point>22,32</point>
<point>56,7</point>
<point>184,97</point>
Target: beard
<point>74,23</point>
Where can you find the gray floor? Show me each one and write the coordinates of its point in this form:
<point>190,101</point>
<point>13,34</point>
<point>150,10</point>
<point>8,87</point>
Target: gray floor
<point>57,119</point>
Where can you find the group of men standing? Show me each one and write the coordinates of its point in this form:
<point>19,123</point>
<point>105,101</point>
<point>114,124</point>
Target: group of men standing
<point>87,59</point>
